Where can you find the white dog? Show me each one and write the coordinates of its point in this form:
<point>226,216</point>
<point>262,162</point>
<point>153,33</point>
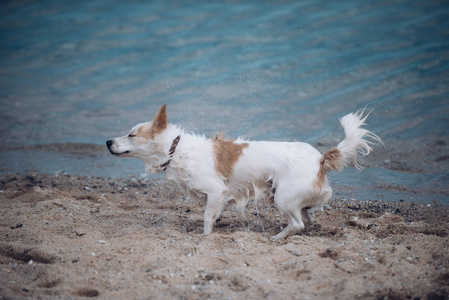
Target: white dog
<point>228,173</point>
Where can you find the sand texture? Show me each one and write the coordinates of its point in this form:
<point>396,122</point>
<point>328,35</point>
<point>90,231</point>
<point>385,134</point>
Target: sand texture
<point>66,237</point>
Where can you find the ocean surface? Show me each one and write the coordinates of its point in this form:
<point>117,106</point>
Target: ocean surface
<point>76,73</point>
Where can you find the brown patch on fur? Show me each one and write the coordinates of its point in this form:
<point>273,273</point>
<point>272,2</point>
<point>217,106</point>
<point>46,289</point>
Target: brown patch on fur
<point>227,154</point>
<point>146,131</point>
<point>160,121</point>
<point>331,160</point>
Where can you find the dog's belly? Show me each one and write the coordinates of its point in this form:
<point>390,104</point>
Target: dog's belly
<point>263,189</point>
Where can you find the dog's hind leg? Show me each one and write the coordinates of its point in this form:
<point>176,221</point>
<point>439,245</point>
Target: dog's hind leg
<point>238,206</point>
<point>258,216</point>
<point>214,208</point>
<point>289,202</point>
<point>240,212</point>
<point>295,224</point>
<point>306,217</point>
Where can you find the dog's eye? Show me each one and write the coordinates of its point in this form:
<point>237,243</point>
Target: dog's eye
<point>131,135</point>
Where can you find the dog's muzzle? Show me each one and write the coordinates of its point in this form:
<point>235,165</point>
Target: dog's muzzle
<point>109,144</point>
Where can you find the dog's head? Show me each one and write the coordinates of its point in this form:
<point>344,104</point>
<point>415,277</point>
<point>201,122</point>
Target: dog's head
<point>141,142</point>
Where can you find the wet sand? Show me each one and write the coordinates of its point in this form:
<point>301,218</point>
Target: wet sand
<point>71,237</point>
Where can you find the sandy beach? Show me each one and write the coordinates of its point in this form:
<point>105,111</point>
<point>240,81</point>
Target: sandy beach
<point>70,237</point>
<point>74,74</point>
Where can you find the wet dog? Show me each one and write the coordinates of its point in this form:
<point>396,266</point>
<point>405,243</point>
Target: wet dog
<point>228,173</point>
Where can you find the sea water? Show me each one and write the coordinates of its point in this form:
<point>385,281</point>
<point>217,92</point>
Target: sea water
<point>76,73</point>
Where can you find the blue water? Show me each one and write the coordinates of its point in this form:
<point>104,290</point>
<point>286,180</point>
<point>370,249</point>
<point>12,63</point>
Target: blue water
<point>86,71</point>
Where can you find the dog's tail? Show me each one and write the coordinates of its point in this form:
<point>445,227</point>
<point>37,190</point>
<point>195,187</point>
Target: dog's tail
<point>355,143</point>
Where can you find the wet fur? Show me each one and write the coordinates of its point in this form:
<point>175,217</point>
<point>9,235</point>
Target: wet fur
<point>227,173</point>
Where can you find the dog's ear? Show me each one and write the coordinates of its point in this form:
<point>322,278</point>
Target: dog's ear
<point>160,121</point>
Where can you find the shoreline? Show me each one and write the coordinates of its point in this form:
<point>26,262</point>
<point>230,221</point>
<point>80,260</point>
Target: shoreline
<point>398,171</point>
<point>79,236</point>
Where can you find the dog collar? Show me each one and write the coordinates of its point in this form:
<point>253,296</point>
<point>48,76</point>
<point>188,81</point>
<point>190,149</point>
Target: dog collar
<point>171,152</point>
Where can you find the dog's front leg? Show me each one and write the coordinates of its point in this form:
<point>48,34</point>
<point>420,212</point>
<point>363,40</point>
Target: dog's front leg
<point>214,207</point>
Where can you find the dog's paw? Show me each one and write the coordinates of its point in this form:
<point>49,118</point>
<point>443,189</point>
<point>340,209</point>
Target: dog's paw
<point>278,237</point>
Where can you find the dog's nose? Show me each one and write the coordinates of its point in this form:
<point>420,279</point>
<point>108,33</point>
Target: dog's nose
<point>109,143</point>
